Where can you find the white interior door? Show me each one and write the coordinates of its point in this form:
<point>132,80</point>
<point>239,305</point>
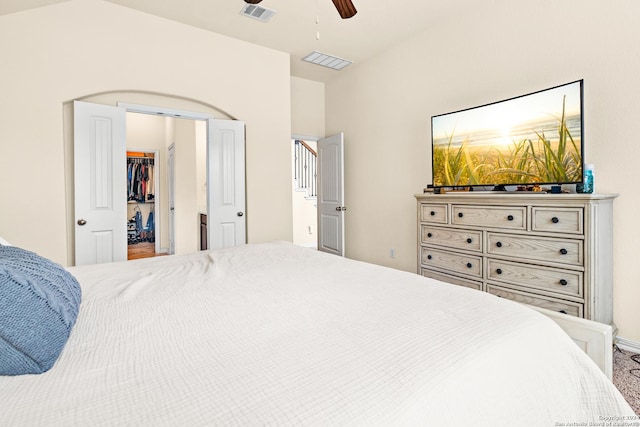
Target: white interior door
<point>226,184</point>
<point>100,181</point>
<point>331,207</point>
<point>171,181</point>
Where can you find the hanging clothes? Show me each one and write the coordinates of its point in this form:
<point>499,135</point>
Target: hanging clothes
<point>139,179</point>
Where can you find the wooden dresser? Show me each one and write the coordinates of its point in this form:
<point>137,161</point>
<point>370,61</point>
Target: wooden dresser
<point>549,250</point>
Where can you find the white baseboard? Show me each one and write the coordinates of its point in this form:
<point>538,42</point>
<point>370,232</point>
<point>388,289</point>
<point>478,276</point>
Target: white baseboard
<point>626,344</point>
<point>308,245</point>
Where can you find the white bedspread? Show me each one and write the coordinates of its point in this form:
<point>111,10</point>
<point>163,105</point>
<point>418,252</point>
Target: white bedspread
<point>274,334</point>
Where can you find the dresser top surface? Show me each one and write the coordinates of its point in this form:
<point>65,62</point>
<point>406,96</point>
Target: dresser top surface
<point>513,196</point>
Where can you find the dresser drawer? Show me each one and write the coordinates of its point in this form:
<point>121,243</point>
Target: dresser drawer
<point>451,279</point>
<point>466,264</point>
<point>562,251</point>
<point>434,213</point>
<point>566,282</point>
<point>548,250</point>
<point>452,238</point>
<point>557,220</point>
<point>567,307</point>
<point>512,218</point>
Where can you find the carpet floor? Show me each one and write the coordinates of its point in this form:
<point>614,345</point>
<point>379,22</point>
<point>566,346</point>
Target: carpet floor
<point>626,376</point>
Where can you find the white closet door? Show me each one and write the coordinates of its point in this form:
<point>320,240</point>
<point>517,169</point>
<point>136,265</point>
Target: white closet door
<point>100,181</point>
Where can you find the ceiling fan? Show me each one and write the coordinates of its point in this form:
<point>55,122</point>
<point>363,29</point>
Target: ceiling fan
<point>346,9</point>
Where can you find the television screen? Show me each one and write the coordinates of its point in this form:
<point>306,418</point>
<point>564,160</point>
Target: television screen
<point>531,139</point>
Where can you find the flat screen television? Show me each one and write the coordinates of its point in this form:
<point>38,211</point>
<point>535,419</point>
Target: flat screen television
<point>522,141</point>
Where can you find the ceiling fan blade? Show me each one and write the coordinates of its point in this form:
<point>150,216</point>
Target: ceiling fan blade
<point>252,1</point>
<point>346,9</point>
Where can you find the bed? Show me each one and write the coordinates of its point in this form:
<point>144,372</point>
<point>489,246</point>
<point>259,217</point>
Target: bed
<point>275,334</point>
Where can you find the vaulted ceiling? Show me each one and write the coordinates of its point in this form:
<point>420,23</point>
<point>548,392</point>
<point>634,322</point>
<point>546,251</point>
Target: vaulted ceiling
<point>302,26</point>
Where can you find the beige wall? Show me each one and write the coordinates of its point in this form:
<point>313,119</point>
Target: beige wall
<point>186,195</point>
<point>201,164</point>
<point>512,48</point>
<point>307,108</point>
<point>54,54</point>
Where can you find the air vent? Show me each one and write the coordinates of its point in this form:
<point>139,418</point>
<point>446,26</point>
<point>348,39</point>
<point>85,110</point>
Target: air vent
<point>257,12</point>
<point>326,60</point>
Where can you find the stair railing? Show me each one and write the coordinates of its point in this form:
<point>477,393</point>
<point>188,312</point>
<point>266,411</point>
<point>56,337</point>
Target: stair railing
<point>305,161</point>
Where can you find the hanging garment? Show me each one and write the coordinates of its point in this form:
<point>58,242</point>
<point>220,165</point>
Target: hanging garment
<point>129,181</point>
<point>150,185</point>
<point>143,183</point>
<point>138,221</point>
<point>150,222</point>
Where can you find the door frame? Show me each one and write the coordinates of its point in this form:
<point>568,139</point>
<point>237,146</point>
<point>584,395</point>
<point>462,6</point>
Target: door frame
<point>126,107</point>
<point>176,114</point>
<point>315,140</point>
<point>209,119</point>
<point>160,111</point>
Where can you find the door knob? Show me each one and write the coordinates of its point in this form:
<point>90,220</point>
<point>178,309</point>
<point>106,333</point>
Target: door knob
<point>240,213</point>
<point>82,222</point>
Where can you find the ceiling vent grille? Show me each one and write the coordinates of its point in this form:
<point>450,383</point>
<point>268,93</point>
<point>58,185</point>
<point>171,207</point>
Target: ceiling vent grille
<point>257,12</point>
<point>326,60</point>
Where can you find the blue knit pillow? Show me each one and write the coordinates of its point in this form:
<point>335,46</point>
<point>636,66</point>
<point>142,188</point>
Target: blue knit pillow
<point>39,302</point>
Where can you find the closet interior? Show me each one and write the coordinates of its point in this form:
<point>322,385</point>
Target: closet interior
<point>141,229</point>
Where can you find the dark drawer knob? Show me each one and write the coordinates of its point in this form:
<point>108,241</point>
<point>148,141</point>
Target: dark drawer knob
<point>429,257</point>
<point>429,235</point>
<point>563,251</point>
<point>469,240</point>
<point>499,271</point>
<point>460,214</point>
<point>510,217</point>
<point>563,282</point>
<point>563,311</point>
<point>555,220</point>
<point>432,213</point>
<point>499,244</point>
<point>469,265</point>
